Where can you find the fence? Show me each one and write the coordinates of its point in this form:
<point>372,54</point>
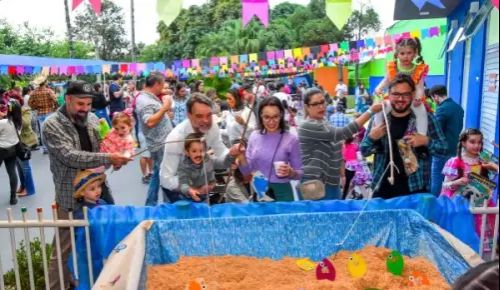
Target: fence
<point>41,224</point>
<point>483,212</point>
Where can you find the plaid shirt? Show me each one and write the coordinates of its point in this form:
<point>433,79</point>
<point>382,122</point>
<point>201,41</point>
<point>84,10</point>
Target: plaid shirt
<point>418,180</point>
<point>339,120</point>
<point>67,158</point>
<point>43,100</point>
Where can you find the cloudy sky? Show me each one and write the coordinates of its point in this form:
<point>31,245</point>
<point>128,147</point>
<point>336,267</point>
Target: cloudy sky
<point>19,11</point>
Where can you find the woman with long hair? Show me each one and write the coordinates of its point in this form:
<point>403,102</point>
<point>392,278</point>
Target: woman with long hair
<point>9,130</point>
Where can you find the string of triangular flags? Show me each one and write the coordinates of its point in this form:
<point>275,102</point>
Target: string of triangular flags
<point>95,4</point>
<point>288,61</point>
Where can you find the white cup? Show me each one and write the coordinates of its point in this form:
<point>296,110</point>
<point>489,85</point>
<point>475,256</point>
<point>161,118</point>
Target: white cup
<point>277,165</point>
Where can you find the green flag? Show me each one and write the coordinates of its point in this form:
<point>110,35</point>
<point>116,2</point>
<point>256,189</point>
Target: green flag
<point>339,11</point>
<point>168,10</point>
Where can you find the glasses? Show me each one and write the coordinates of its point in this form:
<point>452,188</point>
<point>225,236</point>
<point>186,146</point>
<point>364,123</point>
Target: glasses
<point>318,104</point>
<point>269,118</point>
<point>406,95</point>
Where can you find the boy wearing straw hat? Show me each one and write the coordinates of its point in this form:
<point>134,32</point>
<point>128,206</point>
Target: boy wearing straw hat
<point>88,188</point>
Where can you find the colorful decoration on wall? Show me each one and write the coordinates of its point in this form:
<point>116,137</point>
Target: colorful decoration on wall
<point>356,266</point>
<point>421,3</point>
<point>290,61</point>
<point>257,8</point>
<point>168,10</point>
<point>339,11</point>
<point>325,270</point>
<point>395,263</point>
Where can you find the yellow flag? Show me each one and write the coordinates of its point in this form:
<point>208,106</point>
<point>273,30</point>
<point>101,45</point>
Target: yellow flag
<point>339,12</point>
<point>168,10</point>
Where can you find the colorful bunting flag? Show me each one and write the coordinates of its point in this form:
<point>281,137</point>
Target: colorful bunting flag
<point>75,4</point>
<point>258,8</point>
<point>96,6</point>
<point>339,12</point>
<point>495,3</point>
<point>168,10</point>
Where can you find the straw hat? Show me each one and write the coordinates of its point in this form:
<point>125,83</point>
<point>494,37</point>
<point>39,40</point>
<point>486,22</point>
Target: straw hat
<point>41,79</point>
<point>83,179</point>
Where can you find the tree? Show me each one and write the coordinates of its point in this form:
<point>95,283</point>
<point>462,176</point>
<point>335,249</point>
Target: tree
<point>106,32</point>
<point>69,31</point>
<point>361,23</point>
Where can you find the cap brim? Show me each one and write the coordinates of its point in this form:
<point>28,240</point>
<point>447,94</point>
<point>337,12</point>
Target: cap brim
<point>81,95</point>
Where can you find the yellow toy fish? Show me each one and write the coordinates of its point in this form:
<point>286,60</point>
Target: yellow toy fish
<point>356,266</point>
<point>306,264</point>
<point>197,284</point>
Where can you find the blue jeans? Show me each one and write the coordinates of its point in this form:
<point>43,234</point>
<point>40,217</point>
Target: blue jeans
<point>41,120</point>
<point>154,183</point>
<point>437,177</point>
<point>103,114</point>
<point>25,176</point>
<point>332,192</point>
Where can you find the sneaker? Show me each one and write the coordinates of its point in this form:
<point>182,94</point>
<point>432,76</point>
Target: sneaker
<point>146,179</point>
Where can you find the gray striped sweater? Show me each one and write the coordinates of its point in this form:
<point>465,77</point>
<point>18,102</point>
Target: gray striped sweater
<point>321,147</point>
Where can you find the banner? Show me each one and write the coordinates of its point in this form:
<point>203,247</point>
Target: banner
<point>339,12</point>
<point>259,8</point>
<point>75,4</point>
<point>168,10</point>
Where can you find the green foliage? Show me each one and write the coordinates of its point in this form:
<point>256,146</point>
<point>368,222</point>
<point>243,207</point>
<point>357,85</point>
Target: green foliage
<point>215,29</point>
<point>28,40</point>
<point>221,85</point>
<point>22,260</point>
<point>106,31</point>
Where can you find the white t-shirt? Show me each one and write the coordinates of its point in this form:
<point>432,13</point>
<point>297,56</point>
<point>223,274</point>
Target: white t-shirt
<point>341,88</point>
<point>8,136</point>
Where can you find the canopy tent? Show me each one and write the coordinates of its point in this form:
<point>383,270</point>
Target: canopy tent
<point>420,9</point>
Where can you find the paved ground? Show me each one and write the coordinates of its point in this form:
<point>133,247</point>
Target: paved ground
<point>126,186</point>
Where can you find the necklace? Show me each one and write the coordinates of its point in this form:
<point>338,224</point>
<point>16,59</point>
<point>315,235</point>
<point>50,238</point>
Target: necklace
<point>407,71</point>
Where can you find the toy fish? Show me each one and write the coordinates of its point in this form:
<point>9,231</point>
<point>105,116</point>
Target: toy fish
<point>395,263</point>
<point>305,264</point>
<point>418,279</point>
<point>197,284</point>
<point>325,270</point>
<point>356,266</point>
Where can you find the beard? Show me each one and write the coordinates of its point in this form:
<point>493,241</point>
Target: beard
<point>80,118</point>
<point>398,109</point>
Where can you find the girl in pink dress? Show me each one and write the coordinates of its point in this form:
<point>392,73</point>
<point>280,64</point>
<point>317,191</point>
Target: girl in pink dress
<point>457,169</point>
<point>120,140</point>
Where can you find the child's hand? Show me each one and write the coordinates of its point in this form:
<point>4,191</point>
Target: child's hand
<point>194,194</point>
<point>239,120</point>
<point>461,182</point>
<point>417,102</point>
<point>417,140</point>
<point>490,166</point>
<point>378,132</point>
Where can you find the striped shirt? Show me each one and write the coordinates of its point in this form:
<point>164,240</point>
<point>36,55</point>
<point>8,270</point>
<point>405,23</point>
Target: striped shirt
<point>321,146</point>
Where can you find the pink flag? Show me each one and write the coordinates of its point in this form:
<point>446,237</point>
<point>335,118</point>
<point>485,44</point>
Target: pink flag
<point>133,68</point>
<point>96,6</point>
<point>495,3</point>
<point>75,4</point>
<point>259,8</point>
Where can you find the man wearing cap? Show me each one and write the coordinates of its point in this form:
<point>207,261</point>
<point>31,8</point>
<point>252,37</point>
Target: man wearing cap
<point>44,101</point>
<point>73,144</point>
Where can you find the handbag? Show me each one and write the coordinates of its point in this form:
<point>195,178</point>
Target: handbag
<point>23,152</point>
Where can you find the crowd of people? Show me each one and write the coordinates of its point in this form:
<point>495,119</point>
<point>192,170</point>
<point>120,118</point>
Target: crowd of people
<point>299,139</point>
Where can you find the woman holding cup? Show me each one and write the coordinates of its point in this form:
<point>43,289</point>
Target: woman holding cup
<point>273,151</point>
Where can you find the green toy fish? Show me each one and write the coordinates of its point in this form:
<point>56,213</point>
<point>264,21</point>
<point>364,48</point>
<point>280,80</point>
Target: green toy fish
<point>395,263</point>
<point>103,128</point>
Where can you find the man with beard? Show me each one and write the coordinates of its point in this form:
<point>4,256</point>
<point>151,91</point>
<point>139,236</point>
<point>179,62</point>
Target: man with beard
<point>73,144</point>
<point>200,120</point>
<point>415,177</point>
